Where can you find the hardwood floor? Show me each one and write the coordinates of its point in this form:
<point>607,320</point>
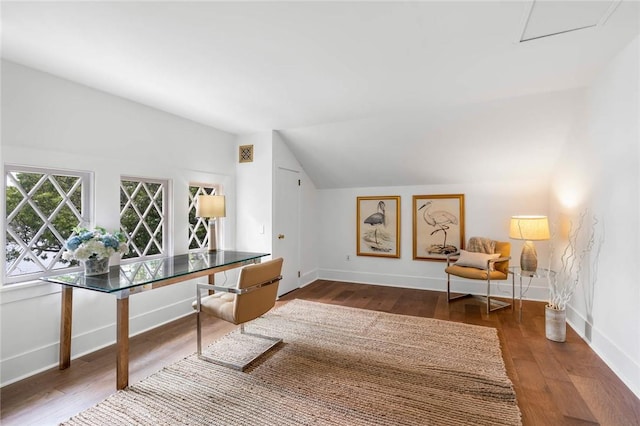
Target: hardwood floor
<point>555,383</point>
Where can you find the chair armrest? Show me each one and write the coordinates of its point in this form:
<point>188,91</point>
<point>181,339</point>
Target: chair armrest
<point>217,288</point>
<point>450,255</point>
<point>236,290</point>
<point>491,262</point>
<point>233,290</point>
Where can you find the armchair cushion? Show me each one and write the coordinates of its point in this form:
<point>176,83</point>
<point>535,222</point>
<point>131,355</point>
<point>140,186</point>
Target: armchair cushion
<point>220,305</point>
<point>475,260</point>
<point>473,273</point>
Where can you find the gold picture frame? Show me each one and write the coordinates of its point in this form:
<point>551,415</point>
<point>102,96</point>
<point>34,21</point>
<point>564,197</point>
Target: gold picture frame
<point>438,226</point>
<point>378,226</point>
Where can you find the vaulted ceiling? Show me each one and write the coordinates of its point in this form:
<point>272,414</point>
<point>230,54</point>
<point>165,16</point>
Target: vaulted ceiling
<point>364,93</point>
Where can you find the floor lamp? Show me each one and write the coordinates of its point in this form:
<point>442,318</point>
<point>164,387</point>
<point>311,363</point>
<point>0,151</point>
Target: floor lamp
<point>211,207</point>
<point>529,228</point>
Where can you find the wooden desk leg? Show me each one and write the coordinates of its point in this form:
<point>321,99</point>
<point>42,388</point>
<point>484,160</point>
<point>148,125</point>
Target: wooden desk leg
<point>122,345</point>
<point>212,281</point>
<point>65,327</point>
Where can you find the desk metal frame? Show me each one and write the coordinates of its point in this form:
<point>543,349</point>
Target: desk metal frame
<point>105,284</point>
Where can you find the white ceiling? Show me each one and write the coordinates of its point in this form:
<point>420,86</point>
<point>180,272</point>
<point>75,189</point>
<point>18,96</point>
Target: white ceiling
<point>354,87</point>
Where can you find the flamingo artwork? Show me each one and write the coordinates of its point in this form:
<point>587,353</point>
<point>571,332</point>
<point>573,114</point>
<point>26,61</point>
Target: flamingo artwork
<point>377,238</point>
<point>441,220</point>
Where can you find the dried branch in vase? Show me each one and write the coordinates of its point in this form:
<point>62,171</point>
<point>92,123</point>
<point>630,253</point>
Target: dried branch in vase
<point>580,243</point>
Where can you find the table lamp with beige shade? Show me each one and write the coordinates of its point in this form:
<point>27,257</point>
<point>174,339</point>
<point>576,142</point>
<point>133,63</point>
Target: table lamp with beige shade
<point>211,207</point>
<point>529,229</point>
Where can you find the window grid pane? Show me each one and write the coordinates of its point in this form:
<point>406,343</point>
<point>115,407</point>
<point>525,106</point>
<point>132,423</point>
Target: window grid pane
<point>198,227</point>
<point>143,216</point>
<point>42,208</point>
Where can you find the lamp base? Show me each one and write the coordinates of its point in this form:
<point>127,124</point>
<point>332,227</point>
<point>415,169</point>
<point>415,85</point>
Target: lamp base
<point>528,258</point>
<point>213,243</point>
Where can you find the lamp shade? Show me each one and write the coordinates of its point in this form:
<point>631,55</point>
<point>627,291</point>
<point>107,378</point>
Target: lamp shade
<point>210,206</point>
<point>530,228</point>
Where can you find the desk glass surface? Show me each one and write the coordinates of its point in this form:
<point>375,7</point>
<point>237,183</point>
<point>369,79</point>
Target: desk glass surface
<point>137,274</point>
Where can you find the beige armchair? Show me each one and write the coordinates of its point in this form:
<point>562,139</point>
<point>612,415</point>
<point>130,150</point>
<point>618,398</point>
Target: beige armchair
<point>254,295</point>
<point>476,265</point>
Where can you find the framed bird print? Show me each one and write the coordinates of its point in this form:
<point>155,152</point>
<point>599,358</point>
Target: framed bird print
<point>438,226</point>
<point>378,226</point>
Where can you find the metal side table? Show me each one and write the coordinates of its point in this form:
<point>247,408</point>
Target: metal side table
<point>541,273</point>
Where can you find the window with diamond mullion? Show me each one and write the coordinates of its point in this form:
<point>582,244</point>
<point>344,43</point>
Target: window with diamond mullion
<point>198,227</point>
<point>42,207</point>
<point>143,216</point>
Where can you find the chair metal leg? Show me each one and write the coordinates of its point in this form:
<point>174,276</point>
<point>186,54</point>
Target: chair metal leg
<point>199,333</point>
<point>240,367</point>
<point>449,298</point>
<point>492,304</point>
<point>488,294</point>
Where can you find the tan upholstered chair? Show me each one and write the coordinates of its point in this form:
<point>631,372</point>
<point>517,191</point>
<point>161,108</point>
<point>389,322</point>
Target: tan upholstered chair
<point>254,295</point>
<point>481,267</point>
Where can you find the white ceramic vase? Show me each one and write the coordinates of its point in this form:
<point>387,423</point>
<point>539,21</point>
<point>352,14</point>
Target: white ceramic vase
<point>555,324</point>
<point>96,267</point>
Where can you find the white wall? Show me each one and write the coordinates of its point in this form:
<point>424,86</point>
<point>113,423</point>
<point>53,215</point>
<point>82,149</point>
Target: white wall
<point>50,122</point>
<point>256,210</point>
<point>599,171</point>
<point>254,188</point>
<point>488,208</point>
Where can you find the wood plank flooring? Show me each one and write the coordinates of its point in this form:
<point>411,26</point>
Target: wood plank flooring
<point>555,383</point>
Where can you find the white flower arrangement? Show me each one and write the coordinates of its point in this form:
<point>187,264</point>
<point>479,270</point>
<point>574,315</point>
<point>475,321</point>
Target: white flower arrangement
<point>94,243</point>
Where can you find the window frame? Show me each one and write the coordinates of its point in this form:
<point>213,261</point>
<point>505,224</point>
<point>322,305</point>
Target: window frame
<point>86,214</point>
<point>166,249</point>
<point>216,190</point>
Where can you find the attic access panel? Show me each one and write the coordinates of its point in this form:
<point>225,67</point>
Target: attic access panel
<point>548,18</point>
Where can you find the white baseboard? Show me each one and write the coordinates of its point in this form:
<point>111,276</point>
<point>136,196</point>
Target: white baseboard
<point>308,277</point>
<point>45,357</point>
<point>622,364</point>
<point>535,291</point>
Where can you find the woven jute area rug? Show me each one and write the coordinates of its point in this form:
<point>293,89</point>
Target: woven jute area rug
<point>336,366</point>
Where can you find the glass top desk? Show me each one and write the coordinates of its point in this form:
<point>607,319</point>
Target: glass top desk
<point>136,277</point>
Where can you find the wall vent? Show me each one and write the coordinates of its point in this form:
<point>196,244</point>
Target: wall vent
<point>246,153</point>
